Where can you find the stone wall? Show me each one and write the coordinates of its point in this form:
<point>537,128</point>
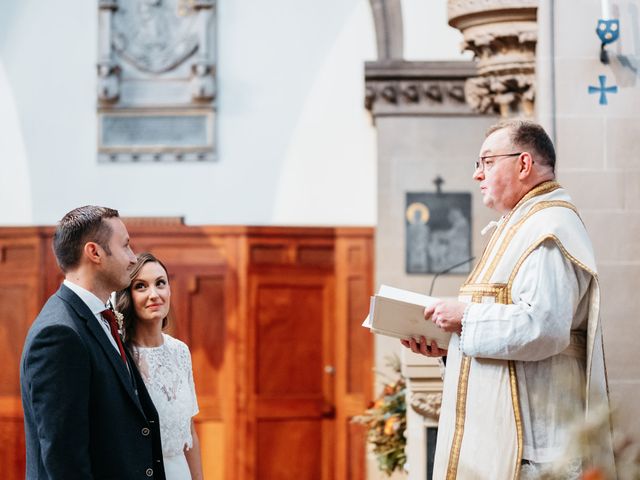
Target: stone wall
<point>598,150</point>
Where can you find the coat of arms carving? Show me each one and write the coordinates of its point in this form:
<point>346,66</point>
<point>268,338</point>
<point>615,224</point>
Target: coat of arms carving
<point>156,80</point>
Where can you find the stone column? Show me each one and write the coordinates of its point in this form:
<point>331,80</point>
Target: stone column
<point>502,34</point>
<point>424,396</point>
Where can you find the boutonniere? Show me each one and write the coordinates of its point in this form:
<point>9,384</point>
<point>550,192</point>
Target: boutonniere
<point>120,320</point>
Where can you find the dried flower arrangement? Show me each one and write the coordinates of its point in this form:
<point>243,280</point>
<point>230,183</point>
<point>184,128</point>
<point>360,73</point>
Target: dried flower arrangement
<point>386,422</point>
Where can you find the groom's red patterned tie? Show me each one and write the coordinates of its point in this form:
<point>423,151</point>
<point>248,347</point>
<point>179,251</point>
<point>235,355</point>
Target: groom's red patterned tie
<point>113,326</point>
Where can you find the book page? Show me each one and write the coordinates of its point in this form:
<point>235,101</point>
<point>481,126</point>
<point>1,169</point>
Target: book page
<point>406,296</point>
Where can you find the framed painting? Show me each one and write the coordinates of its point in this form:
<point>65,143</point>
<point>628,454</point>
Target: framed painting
<point>438,232</point>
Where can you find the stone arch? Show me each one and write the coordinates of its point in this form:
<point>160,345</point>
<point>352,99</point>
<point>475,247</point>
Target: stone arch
<point>387,19</point>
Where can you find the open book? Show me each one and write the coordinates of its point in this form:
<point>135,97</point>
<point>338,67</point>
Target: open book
<point>400,313</point>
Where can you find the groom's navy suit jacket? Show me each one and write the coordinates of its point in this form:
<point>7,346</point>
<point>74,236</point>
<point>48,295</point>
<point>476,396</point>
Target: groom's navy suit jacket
<point>85,415</point>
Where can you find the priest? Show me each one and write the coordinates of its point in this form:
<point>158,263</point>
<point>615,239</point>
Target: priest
<point>526,359</point>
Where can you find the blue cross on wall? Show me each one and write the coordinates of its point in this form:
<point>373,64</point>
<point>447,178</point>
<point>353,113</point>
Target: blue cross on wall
<point>602,90</point>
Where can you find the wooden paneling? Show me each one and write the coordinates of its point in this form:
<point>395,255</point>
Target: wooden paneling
<point>272,317</point>
<point>289,450</point>
<point>354,349</point>
<point>12,453</point>
<point>357,437</point>
<point>15,300</point>
<point>20,300</point>
<point>358,291</point>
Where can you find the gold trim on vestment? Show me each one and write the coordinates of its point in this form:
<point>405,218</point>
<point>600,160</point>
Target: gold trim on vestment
<point>515,399</point>
<point>479,290</point>
<point>535,245</point>
<point>514,229</point>
<point>541,189</point>
<point>461,411</point>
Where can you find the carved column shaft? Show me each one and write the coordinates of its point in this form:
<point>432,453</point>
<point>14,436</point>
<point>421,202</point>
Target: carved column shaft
<point>502,34</point>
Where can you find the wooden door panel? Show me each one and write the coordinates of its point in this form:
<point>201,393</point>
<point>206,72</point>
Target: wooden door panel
<point>289,450</point>
<point>16,312</point>
<point>12,452</point>
<point>358,338</point>
<point>289,340</point>
<point>292,407</point>
<point>357,447</point>
<point>18,308</point>
<point>293,397</point>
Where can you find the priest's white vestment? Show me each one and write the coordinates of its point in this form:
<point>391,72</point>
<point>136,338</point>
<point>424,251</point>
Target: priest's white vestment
<point>530,353</point>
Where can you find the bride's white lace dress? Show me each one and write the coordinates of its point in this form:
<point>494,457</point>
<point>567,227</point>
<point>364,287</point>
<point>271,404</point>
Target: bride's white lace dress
<point>168,376</point>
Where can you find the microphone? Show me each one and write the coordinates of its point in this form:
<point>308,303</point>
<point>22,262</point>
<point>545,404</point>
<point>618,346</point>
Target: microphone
<point>447,270</point>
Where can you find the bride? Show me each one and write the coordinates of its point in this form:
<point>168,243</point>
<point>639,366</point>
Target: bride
<point>164,363</point>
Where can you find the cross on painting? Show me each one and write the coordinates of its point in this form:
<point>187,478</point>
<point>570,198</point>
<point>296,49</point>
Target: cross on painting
<point>602,89</point>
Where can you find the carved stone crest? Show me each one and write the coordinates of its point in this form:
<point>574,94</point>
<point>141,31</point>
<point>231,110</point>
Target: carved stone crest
<point>155,35</point>
<point>156,80</point>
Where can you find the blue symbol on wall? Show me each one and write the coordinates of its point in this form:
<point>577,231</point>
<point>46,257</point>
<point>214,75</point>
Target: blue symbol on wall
<point>602,90</point>
<point>608,31</point>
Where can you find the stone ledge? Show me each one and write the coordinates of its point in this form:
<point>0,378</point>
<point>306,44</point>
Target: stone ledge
<point>399,87</point>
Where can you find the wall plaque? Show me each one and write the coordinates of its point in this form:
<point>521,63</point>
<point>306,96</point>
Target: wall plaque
<point>156,80</point>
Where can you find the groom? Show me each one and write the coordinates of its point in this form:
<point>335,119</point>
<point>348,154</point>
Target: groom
<point>87,413</point>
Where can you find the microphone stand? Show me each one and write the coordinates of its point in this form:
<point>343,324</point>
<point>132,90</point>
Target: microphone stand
<point>447,270</point>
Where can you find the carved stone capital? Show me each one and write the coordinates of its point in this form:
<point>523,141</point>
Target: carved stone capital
<point>408,88</point>
<point>503,35</point>
<point>427,404</point>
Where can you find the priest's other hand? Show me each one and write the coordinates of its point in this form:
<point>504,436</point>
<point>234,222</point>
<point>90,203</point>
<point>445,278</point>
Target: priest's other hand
<point>446,314</point>
<point>424,348</point>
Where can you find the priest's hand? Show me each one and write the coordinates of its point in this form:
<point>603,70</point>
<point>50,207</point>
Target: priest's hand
<point>424,348</point>
<point>446,314</point>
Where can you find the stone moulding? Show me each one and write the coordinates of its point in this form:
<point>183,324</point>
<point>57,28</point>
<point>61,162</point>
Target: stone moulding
<point>427,404</point>
<point>408,88</point>
<point>502,34</point>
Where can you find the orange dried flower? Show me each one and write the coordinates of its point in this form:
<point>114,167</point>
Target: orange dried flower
<point>593,473</point>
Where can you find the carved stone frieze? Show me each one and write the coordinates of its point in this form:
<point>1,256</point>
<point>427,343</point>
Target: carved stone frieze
<point>407,88</point>
<point>427,404</point>
<point>502,34</point>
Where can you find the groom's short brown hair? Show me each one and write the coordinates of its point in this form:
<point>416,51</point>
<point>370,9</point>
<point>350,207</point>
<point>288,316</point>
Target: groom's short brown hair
<point>79,226</point>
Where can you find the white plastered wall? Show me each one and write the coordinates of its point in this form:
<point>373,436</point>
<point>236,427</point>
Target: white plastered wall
<point>296,146</point>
